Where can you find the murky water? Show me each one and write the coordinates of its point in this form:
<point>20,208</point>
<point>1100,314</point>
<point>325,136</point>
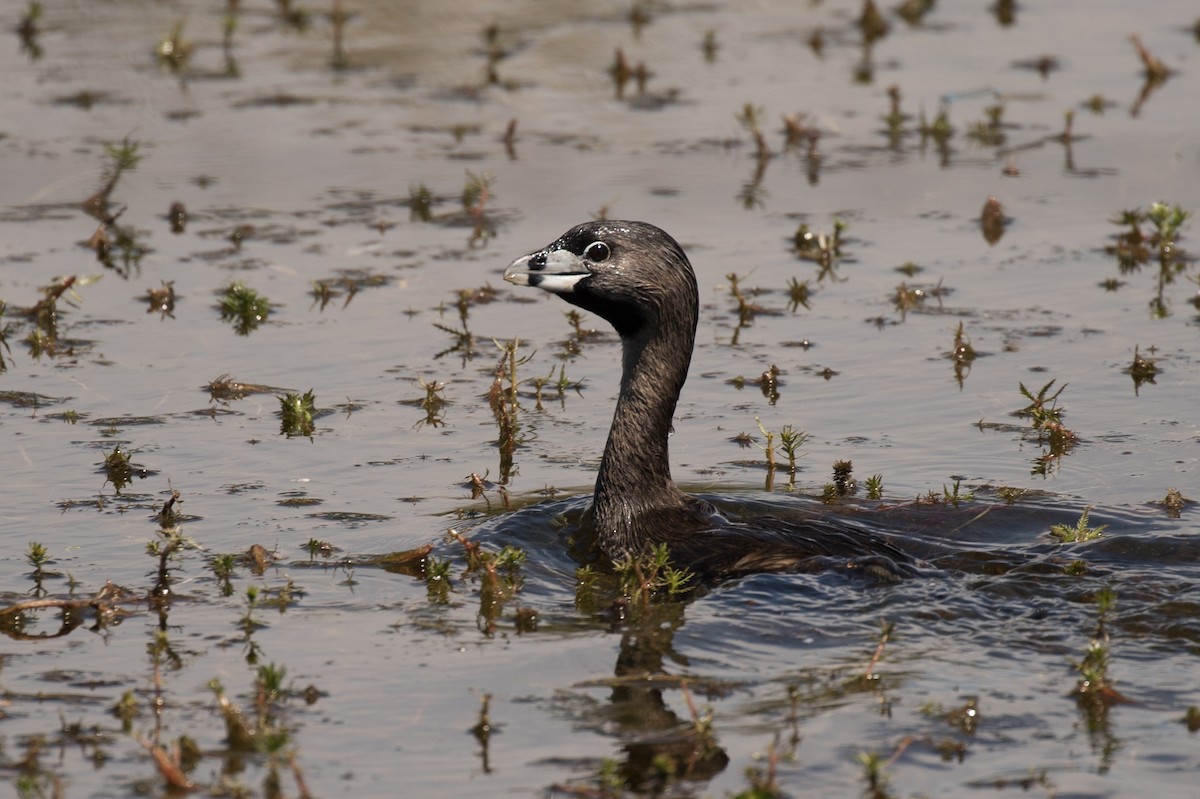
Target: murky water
<point>323,162</point>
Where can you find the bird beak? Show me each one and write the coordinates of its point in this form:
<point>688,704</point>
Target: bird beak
<point>556,271</point>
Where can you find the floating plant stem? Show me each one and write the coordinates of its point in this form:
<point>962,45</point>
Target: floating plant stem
<point>769,450</point>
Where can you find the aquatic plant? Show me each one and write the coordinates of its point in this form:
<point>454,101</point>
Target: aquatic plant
<point>433,403</point>
<point>222,567</point>
<point>244,307</point>
<point>167,546</point>
<point>1046,416</point>
<point>790,441</point>
<point>1082,531</point>
<point>750,118</point>
<point>28,30</point>
<point>823,248</point>
<point>874,486</point>
<point>1154,70</point>
<point>1142,370</point>
<point>871,22</point>
<point>420,203</point>
<point>173,51</point>
<point>843,478</point>
<point>162,300</point>
<point>118,469</point>
<point>296,414</point>
<point>955,496</point>
<point>1135,247</point>
<point>38,557</point>
<point>1094,690</point>
<point>645,577</point>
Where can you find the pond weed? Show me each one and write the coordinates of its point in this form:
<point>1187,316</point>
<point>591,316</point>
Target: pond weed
<point>1082,531</point>
<point>296,414</point>
<point>244,307</point>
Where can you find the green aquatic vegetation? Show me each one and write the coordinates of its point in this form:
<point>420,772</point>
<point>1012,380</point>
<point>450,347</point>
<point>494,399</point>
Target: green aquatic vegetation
<point>118,469</point>
<point>1142,370</point>
<point>843,478</point>
<point>38,557</point>
<point>874,486</point>
<point>476,194</point>
<point>955,496</point>
<point>644,577</point>
<point>872,22</point>
<point>823,248</point>
<point>437,580</point>
<point>168,547</point>
<point>316,547</point>
<point>505,405</point>
<point>6,330</point>
<point>539,383</point>
<point>768,450</point>
<point>126,709</point>
<point>750,118</point>
<point>874,765</point>
<point>913,11</point>
<point>1174,502</point>
<point>162,300</point>
<point>1168,220</point>
<point>269,683</point>
<point>790,441</point>
<point>222,567</point>
<point>799,294</point>
<point>420,203</point>
<point>1136,246</point>
<point>895,118</point>
<point>962,352</point>
<point>294,15</point>
<point>990,131</point>
<point>433,403</point>
<point>244,307</point>
<point>1154,70</point>
<point>123,156</point>
<point>1082,531</point>
<point>296,414</point>
<point>939,130</point>
<point>1045,416</point>
<point>28,30</point>
<point>173,50</point>
<point>746,308</point>
<point>1094,690</point>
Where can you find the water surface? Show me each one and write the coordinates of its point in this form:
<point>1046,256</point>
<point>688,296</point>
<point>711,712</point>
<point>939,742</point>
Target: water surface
<point>298,159</point>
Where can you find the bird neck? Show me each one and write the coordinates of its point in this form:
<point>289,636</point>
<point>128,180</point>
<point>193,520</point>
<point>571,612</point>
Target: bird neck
<point>634,483</point>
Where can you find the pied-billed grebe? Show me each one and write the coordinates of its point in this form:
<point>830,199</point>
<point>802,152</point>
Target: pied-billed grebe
<point>638,278</point>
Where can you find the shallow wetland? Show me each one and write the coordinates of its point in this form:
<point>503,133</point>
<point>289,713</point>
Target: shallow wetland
<point>292,475</point>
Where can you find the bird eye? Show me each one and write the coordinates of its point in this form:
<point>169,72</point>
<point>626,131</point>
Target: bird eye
<point>597,251</point>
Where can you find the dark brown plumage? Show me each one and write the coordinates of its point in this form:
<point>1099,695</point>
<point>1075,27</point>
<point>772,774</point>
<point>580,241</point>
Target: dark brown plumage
<point>638,278</point>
